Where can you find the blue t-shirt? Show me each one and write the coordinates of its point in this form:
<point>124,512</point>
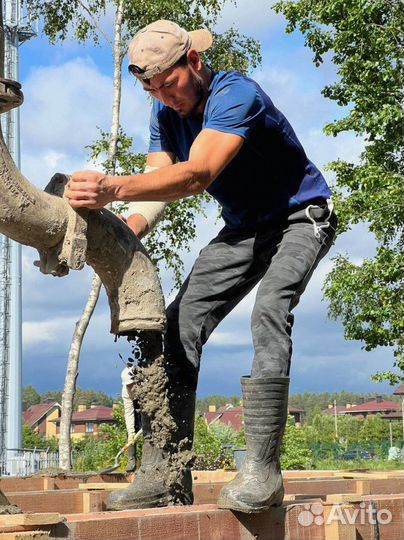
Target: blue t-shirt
<point>270,177</point>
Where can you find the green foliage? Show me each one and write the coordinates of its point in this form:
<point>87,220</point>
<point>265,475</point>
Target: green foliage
<point>124,162</point>
<point>31,439</point>
<point>368,297</point>
<point>30,396</point>
<point>295,453</point>
<point>365,39</point>
<point>82,397</point>
<point>208,446</point>
<point>227,435</point>
<point>371,434</point>
<point>322,430</point>
<point>96,453</point>
<point>83,19</point>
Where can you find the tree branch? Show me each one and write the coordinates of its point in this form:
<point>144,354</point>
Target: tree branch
<point>96,24</point>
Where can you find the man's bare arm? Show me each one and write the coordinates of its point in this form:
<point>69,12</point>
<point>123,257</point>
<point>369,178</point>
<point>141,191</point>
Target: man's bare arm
<point>210,153</point>
<point>142,216</point>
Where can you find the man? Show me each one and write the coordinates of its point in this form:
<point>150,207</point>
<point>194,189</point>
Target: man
<point>131,410</point>
<point>220,132</point>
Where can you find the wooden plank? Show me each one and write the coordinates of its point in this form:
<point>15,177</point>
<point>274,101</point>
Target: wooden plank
<point>103,485</point>
<point>362,476</point>
<point>336,529</point>
<point>339,498</point>
<point>21,535</point>
<point>362,487</point>
<point>86,502</point>
<point>21,520</point>
<point>48,483</point>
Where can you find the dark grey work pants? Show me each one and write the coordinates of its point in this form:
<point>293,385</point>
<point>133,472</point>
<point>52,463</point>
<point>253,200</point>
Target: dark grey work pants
<point>283,256</point>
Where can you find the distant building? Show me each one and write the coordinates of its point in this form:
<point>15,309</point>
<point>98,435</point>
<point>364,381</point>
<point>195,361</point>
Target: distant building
<point>298,415</point>
<point>41,418</point>
<point>87,422</point>
<point>376,406</point>
<point>232,416</point>
<point>399,391</point>
<point>227,415</point>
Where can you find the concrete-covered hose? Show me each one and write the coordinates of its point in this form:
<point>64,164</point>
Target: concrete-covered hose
<point>40,220</point>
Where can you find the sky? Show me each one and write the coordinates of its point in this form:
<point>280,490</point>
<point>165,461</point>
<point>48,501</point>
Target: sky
<point>68,92</point>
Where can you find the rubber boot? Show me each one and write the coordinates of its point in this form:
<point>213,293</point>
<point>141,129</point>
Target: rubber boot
<point>131,459</point>
<point>259,485</point>
<point>153,485</point>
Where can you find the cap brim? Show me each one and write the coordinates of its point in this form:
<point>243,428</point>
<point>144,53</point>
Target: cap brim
<point>201,40</point>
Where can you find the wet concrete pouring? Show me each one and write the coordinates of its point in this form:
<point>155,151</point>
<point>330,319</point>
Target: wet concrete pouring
<point>151,389</point>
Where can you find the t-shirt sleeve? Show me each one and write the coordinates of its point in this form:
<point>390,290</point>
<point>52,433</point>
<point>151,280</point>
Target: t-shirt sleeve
<point>235,108</point>
<point>159,141</point>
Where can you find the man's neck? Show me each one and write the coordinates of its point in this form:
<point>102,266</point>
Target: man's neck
<point>207,75</point>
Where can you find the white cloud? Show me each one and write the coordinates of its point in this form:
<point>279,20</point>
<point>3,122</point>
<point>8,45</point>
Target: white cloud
<point>63,106</point>
<point>229,339</point>
<point>47,331</point>
<point>251,18</point>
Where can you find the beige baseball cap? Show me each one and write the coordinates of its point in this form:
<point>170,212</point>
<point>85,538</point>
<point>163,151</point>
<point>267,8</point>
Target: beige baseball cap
<point>159,45</point>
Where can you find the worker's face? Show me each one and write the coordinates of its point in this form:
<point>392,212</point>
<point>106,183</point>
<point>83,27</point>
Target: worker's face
<point>180,88</point>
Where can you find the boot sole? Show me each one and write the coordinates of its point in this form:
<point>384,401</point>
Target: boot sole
<point>151,502</point>
<point>246,509</point>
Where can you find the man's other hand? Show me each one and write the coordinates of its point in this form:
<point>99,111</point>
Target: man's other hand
<point>90,189</point>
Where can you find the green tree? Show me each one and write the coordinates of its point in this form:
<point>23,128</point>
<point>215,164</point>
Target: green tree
<point>295,451</point>
<point>31,439</point>
<point>208,447</point>
<point>30,396</point>
<point>365,40</point>
<point>82,397</point>
<point>97,453</point>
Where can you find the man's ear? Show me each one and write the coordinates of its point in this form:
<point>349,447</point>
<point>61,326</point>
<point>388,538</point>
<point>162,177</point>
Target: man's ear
<point>194,59</point>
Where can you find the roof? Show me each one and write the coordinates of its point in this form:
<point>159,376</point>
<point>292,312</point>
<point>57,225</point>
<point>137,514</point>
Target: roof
<point>399,391</point>
<point>295,410</point>
<point>234,416</point>
<point>97,415</point>
<point>231,417</point>
<point>34,413</point>
<point>372,406</point>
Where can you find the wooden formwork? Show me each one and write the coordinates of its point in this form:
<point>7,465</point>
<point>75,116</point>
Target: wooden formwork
<point>331,505</point>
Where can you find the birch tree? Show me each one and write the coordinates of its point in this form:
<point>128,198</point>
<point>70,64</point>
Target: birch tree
<point>83,20</point>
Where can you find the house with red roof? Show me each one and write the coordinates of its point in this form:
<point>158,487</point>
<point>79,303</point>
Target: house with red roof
<point>376,406</point>
<point>41,418</point>
<point>233,416</point>
<point>227,415</point>
<point>87,421</point>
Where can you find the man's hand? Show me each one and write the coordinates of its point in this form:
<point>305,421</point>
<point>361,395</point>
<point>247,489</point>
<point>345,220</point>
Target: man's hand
<point>90,189</point>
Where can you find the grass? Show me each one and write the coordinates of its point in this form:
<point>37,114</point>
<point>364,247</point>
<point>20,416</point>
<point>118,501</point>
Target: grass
<point>368,464</point>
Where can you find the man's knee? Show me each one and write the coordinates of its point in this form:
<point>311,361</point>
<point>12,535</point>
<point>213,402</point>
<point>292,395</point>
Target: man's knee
<point>270,308</point>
